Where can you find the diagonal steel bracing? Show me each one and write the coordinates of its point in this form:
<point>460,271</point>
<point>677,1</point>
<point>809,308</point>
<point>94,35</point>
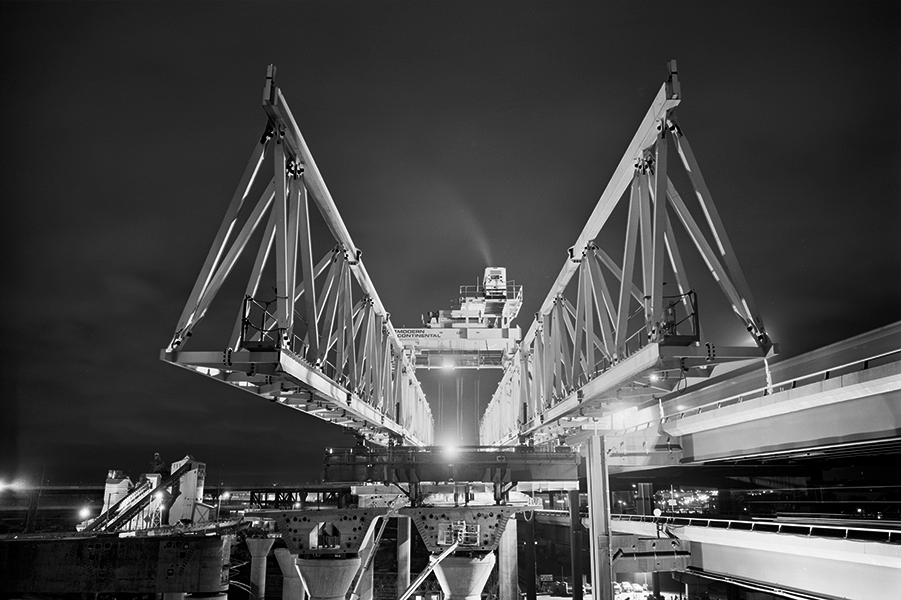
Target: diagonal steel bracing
<point>609,335</point>
<point>314,337</point>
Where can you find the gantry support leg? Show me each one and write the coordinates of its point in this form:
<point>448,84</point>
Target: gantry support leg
<point>575,543</point>
<point>644,504</point>
<point>599,515</point>
<point>404,547</point>
<point>259,549</point>
<point>507,571</point>
<point>528,525</point>
<point>292,584</point>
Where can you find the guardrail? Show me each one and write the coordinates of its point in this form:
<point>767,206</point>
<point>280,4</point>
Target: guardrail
<point>885,535</point>
<point>766,390</point>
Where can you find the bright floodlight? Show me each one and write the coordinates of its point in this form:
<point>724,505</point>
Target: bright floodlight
<point>450,451</point>
<point>84,513</point>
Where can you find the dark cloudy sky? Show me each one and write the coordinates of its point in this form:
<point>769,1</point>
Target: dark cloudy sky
<point>451,135</point>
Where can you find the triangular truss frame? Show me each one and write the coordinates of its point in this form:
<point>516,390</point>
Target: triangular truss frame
<point>622,342</point>
<point>329,348</point>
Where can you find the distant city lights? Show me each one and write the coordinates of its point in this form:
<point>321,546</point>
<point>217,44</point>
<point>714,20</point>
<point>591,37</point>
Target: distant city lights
<point>688,501</point>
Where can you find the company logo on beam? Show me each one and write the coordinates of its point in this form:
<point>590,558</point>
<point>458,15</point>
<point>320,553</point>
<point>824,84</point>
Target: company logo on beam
<point>414,335</point>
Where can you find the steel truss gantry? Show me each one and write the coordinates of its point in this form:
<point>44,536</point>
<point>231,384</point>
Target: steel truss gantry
<point>620,340</point>
<point>328,347</point>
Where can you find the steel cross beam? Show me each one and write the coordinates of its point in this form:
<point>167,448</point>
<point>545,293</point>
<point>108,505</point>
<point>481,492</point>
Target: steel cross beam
<point>321,341</point>
<point>613,339</point>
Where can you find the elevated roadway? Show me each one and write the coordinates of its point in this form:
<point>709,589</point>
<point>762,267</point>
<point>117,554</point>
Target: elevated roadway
<point>791,559</point>
<point>842,398</point>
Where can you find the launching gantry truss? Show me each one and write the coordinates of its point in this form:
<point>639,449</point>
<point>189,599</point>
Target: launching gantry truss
<point>314,337</point>
<point>607,338</point>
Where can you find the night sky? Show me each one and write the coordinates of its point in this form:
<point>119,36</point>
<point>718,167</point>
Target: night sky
<point>451,135</point>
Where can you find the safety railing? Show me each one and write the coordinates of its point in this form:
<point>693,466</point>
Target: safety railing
<point>765,390</point>
<point>890,534</point>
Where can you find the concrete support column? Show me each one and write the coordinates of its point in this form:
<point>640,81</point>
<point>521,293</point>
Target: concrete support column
<point>726,504</point>
<point>259,549</point>
<point>575,543</point>
<point>404,547</point>
<point>328,578</point>
<point>528,528</point>
<point>464,577</point>
<point>644,502</point>
<point>599,516</point>
<point>507,567</point>
<point>292,584</point>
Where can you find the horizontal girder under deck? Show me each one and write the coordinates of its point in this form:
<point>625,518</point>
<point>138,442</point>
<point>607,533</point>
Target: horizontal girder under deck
<point>419,465</point>
<point>281,377</point>
<point>793,562</point>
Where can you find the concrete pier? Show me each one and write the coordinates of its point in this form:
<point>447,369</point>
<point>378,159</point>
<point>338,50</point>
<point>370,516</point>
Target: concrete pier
<point>259,549</point>
<point>328,578</point>
<point>292,584</point>
<point>463,577</point>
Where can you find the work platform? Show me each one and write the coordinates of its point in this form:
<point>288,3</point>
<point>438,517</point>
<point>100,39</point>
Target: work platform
<point>477,333</point>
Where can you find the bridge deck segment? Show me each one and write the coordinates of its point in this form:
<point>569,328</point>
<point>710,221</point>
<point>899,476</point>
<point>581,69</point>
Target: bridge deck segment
<point>795,563</point>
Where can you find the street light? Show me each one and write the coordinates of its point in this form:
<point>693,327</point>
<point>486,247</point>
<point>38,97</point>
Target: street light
<point>657,513</point>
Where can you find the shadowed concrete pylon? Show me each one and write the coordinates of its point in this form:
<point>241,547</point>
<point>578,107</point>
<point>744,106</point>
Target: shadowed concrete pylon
<point>259,549</point>
<point>328,578</point>
<point>463,577</point>
<point>292,585</point>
